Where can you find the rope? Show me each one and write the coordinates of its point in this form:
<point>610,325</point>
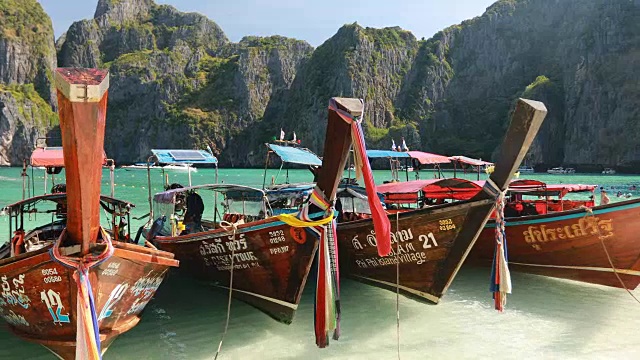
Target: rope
<point>589,212</point>
<point>232,227</point>
<point>87,329</point>
<point>398,286</point>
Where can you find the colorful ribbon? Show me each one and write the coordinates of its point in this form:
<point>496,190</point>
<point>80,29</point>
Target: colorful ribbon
<point>87,329</point>
<point>500,275</point>
<point>381,223</point>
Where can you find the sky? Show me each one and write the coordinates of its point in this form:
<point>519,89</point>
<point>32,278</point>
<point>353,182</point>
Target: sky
<point>313,21</point>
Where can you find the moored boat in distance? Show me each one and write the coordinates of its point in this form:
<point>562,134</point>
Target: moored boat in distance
<point>431,241</point>
<point>568,238</point>
<point>525,169</point>
<point>608,171</point>
<point>71,287</point>
<point>561,171</point>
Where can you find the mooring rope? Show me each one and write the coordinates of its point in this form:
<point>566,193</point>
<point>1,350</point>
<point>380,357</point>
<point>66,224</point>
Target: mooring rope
<point>398,286</point>
<point>232,227</point>
<point>589,212</point>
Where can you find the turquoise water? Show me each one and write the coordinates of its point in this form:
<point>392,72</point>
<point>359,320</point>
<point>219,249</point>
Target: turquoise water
<point>544,318</point>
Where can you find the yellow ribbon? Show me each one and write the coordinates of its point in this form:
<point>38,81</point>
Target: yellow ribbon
<point>292,220</point>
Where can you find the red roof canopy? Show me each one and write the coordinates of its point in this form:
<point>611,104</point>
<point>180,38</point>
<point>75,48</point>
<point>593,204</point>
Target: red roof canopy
<point>470,161</point>
<point>52,157</point>
<point>535,187</point>
<point>429,158</point>
<point>407,192</point>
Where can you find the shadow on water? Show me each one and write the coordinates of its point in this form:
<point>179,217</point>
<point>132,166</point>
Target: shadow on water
<point>187,317</point>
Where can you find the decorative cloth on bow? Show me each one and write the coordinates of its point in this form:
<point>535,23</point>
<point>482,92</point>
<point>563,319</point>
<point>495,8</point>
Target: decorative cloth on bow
<point>500,276</point>
<point>381,223</point>
<point>327,299</point>
<point>87,329</point>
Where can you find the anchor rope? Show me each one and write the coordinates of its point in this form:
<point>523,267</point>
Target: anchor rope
<point>589,213</point>
<point>229,227</point>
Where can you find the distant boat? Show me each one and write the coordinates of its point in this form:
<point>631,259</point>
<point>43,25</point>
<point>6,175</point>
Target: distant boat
<point>608,171</point>
<point>526,169</point>
<point>561,171</point>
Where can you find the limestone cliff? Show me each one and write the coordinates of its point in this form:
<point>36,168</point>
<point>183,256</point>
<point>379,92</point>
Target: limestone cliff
<point>27,59</point>
<point>177,81</point>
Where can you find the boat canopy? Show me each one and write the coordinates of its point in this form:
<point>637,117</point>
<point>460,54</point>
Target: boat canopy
<point>174,156</point>
<point>228,190</point>
<point>426,158</point>
<point>295,155</point>
<point>373,154</point>
<point>52,157</point>
<point>470,161</point>
<point>408,192</point>
<point>422,157</point>
<point>58,198</point>
<point>290,191</point>
<point>539,188</point>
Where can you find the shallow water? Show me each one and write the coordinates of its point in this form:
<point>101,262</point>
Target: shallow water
<point>544,318</point>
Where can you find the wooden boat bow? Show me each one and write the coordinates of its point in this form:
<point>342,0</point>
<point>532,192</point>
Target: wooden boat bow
<point>82,102</point>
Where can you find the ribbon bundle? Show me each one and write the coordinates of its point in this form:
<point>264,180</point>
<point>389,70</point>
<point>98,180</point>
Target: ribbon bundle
<point>381,223</point>
<point>327,300</point>
<point>500,276</point>
<point>87,330</point>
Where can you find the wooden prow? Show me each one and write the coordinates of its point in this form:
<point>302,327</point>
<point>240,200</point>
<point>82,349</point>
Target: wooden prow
<point>525,123</point>
<point>336,146</point>
<point>82,104</point>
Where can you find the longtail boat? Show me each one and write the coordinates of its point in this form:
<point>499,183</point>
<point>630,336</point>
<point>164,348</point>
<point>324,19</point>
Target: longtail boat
<point>265,259</point>
<point>76,295</point>
<point>568,238</point>
<point>429,244</point>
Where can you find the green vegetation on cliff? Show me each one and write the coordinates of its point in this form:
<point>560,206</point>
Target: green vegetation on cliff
<point>31,105</point>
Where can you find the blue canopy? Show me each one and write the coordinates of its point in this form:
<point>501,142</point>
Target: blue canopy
<point>295,155</point>
<point>184,156</point>
<point>387,154</point>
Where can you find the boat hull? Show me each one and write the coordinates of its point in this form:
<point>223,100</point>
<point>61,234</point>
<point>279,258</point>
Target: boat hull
<point>568,244</point>
<point>38,298</point>
<point>271,262</point>
<point>430,244</point>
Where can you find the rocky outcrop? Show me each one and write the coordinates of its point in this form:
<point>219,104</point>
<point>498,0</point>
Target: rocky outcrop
<point>24,117</point>
<point>586,50</point>
<point>27,60</point>
<point>176,80</point>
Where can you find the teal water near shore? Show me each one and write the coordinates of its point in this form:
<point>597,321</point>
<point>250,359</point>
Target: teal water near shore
<point>544,318</point>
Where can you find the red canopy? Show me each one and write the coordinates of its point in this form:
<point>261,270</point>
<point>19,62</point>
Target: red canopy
<point>407,192</point>
<point>470,161</point>
<point>51,157</point>
<point>428,158</point>
<point>535,187</point>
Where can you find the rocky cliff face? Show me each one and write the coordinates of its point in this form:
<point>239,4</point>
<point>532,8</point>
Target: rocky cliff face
<point>27,59</point>
<point>586,50</point>
<point>177,81</point>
